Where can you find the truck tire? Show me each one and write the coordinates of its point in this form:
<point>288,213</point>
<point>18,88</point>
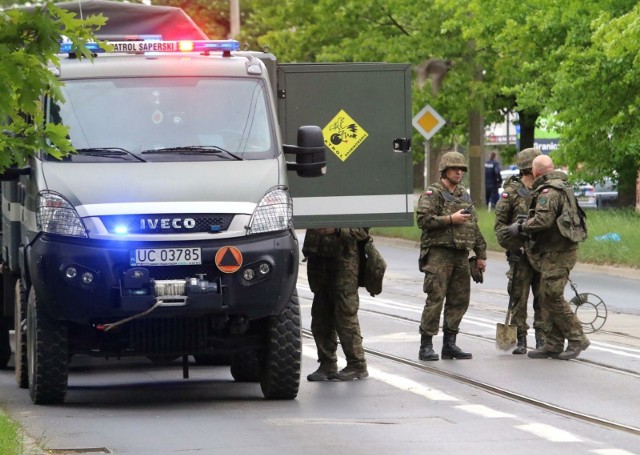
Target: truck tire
<point>245,367</point>
<point>5,323</point>
<point>47,355</point>
<point>20,316</point>
<point>280,377</point>
<point>5,342</point>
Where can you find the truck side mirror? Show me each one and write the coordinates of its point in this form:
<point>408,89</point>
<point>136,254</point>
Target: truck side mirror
<point>310,153</point>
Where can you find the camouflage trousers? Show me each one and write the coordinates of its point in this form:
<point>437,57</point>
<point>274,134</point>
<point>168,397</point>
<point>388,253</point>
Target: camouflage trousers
<point>447,282</point>
<point>334,315</point>
<point>561,322</point>
<point>526,279</point>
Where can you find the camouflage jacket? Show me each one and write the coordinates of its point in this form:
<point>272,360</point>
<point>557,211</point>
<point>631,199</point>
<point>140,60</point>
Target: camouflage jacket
<point>333,259</point>
<point>434,207</point>
<point>515,200</point>
<point>546,206</point>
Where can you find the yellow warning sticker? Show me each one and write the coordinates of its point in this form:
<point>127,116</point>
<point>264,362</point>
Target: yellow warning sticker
<point>343,135</point>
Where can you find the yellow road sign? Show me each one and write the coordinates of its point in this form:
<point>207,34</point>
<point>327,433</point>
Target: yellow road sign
<point>428,122</point>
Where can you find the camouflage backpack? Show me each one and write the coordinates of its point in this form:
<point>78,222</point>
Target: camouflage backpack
<point>372,267</point>
<point>572,222</point>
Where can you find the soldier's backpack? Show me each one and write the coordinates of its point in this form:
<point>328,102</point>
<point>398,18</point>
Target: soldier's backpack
<point>572,222</point>
<point>372,267</point>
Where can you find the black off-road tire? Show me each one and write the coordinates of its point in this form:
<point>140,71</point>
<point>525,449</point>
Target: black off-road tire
<point>246,367</point>
<point>5,323</point>
<point>20,320</point>
<point>5,342</point>
<point>280,377</point>
<point>47,355</point>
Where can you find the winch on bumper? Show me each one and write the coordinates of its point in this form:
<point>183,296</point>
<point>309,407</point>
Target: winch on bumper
<point>83,281</point>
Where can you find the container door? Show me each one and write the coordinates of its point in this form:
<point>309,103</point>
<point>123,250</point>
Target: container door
<point>364,110</point>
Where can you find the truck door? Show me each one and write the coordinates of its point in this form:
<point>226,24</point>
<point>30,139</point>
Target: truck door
<point>363,110</point>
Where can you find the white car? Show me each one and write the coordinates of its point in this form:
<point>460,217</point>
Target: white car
<point>505,174</point>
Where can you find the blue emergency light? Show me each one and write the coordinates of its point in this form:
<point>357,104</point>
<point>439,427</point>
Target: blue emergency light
<point>66,47</point>
<point>155,44</point>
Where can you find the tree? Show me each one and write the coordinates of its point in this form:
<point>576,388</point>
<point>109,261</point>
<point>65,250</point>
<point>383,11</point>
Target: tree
<point>29,43</point>
<point>535,57</point>
<point>597,92</point>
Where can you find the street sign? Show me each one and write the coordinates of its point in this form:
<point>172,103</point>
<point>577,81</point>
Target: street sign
<point>428,122</point>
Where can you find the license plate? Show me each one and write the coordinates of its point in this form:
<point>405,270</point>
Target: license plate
<point>165,256</point>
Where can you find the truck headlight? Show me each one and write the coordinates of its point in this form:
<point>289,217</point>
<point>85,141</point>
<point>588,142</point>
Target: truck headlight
<point>273,213</point>
<point>56,215</point>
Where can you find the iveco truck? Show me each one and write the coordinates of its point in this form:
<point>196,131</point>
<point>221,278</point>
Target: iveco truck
<point>169,233</point>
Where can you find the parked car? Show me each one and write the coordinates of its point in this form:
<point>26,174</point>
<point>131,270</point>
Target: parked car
<point>606,193</point>
<point>585,194</point>
<point>505,174</point>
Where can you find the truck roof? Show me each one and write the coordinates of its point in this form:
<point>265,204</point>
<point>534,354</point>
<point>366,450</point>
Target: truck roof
<point>160,65</point>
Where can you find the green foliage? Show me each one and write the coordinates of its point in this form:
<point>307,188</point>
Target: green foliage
<point>28,46</point>
<point>535,57</point>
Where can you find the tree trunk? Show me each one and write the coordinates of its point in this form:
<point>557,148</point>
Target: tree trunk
<point>527,128</point>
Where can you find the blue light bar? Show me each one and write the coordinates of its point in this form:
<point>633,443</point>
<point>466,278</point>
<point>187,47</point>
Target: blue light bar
<point>216,45</point>
<point>66,47</point>
<point>151,43</point>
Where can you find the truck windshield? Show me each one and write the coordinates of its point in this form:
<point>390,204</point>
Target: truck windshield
<point>182,119</point>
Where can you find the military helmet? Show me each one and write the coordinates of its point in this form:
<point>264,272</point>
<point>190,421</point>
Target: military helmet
<point>452,159</point>
<point>526,157</point>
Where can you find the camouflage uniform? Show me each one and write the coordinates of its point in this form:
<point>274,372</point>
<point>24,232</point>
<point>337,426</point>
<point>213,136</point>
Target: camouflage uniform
<point>332,269</point>
<point>553,255</point>
<point>515,200</point>
<point>444,258</point>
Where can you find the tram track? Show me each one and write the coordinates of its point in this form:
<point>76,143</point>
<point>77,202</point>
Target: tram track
<point>495,390</point>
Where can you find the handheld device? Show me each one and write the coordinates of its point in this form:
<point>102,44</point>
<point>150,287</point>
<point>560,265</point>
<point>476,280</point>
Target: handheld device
<point>467,211</point>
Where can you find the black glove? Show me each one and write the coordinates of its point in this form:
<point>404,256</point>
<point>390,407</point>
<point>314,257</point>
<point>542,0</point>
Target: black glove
<point>515,229</point>
<point>473,268</point>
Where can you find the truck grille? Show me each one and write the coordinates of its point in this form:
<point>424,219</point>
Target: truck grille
<point>167,224</point>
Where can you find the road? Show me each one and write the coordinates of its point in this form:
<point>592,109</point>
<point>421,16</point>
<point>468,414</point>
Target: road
<point>494,403</point>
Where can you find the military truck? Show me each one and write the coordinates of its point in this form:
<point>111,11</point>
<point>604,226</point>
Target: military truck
<point>170,232</point>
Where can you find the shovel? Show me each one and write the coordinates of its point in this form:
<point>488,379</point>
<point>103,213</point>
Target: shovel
<point>507,333</point>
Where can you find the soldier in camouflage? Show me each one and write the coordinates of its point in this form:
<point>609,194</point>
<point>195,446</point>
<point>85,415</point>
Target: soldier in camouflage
<point>332,269</point>
<point>514,202</point>
<point>553,255</point>
<point>448,234</point>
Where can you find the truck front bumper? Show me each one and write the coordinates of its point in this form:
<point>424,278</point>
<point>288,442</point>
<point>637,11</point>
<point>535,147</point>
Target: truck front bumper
<point>88,281</point>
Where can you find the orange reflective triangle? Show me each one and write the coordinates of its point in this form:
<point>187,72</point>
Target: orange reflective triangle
<point>228,259</point>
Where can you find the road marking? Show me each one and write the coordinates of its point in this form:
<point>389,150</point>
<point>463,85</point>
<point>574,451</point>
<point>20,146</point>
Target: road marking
<point>393,380</point>
<point>548,432</point>
<point>484,411</point>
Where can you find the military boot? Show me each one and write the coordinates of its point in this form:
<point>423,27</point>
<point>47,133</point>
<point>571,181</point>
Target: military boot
<point>543,353</point>
<point>351,373</point>
<point>574,349</point>
<point>323,373</point>
<point>450,350</point>
<point>426,349</point>
<point>521,348</point>
<point>540,336</point>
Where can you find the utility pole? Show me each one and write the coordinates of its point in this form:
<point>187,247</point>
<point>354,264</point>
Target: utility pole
<point>234,7</point>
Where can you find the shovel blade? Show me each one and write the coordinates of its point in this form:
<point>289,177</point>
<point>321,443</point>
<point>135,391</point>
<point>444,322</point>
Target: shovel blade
<point>506,336</point>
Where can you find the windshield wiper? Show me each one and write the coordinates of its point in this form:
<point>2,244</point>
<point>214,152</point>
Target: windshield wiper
<point>109,152</point>
<point>194,150</point>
